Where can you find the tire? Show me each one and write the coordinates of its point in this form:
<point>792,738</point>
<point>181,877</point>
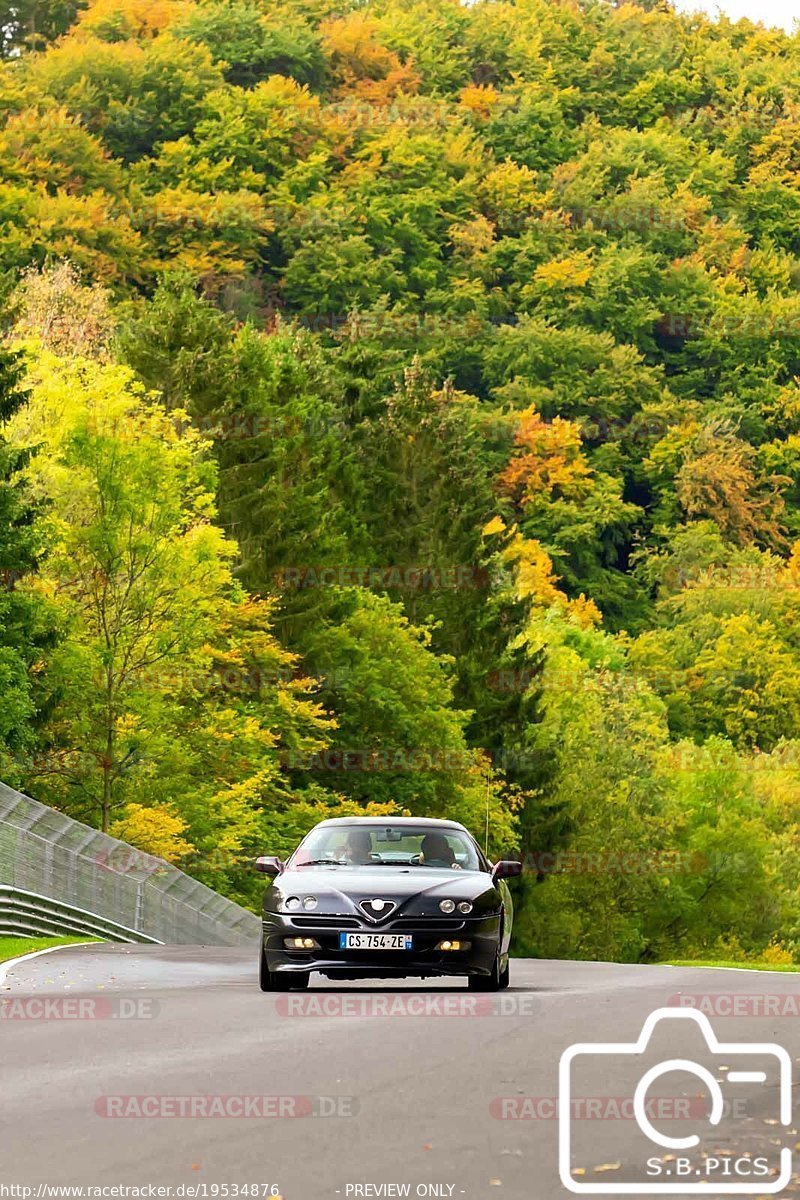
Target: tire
<point>264,973</point>
<point>487,983</point>
<point>280,981</point>
<point>505,975</point>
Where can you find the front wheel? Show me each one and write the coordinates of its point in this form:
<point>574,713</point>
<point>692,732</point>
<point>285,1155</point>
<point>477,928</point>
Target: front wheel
<point>488,983</point>
<point>280,981</point>
<point>264,973</point>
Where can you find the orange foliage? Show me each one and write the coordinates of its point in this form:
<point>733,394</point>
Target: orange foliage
<point>552,462</point>
<point>132,18</point>
<point>361,63</point>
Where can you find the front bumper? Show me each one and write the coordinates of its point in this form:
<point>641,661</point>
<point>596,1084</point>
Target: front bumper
<point>424,960</point>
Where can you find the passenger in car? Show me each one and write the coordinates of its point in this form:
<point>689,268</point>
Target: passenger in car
<point>436,851</point>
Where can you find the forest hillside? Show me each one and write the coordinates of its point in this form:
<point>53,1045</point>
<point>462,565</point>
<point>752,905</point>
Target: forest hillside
<point>401,413</point>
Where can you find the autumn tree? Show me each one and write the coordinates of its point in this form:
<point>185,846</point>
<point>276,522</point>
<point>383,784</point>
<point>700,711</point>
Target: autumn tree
<point>142,578</point>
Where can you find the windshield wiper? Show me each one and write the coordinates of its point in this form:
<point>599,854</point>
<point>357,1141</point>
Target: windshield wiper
<point>386,862</point>
<point>335,862</point>
<point>379,862</point>
<point>320,862</point>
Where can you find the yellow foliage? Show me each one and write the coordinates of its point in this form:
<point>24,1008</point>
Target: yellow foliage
<point>777,956</point>
<point>584,612</point>
<point>509,190</point>
<point>793,562</point>
<point>235,809</point>
<point>496,525</point>
<point>480,99</point>
<point>573,271</point>
<point>157,831</point>
<point>536,579</point>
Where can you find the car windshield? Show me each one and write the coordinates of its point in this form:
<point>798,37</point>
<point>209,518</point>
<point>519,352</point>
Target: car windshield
<point>388,845</point>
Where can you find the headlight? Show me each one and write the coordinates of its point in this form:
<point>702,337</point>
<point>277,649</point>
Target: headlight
<point>447,906</point>
<point>310,902</point>
<point>465,907</point>
<point>291,902</point>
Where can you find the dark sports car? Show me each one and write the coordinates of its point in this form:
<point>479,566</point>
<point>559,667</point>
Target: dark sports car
<point>371,897</point>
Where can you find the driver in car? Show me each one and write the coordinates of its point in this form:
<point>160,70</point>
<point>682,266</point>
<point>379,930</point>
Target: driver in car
<point>437,852</point>
<point>358,848</point>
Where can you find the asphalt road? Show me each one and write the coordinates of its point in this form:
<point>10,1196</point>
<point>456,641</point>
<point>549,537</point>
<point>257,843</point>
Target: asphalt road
<point>359,1088</point>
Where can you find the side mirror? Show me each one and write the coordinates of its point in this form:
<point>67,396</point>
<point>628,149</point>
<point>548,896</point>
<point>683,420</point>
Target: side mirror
<point>506,868</point>
<point>269,866</point>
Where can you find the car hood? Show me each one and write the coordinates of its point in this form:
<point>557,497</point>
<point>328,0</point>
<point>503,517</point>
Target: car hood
<point>418,889</point>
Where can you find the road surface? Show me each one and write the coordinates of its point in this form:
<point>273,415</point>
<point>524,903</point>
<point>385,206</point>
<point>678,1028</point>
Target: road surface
<point>356,1091</point>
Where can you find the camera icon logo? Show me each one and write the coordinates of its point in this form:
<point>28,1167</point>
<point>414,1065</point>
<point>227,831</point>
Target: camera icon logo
<point>754,1074</point>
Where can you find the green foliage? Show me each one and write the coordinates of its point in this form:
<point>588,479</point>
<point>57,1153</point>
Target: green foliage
<point>724,653</point>
<point>254,44</point>
<point>178,344</point>
<point>133,96</point>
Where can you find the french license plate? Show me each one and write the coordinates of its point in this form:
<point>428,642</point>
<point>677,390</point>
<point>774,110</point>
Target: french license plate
<point>375,941</point>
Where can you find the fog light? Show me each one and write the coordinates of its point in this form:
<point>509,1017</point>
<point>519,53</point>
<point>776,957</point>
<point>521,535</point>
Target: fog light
<point>447,906</point>
<point>310,902</point>
<point>298,943</point>
<point>451,945</point>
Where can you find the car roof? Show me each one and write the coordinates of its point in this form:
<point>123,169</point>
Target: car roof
<point>380,822</point>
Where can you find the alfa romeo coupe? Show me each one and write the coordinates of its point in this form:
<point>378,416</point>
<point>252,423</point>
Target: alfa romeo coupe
<point>371,897</point>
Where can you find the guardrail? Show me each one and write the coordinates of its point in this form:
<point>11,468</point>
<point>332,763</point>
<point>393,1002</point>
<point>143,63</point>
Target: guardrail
<point>25,914</point>
<point>60,876</point>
